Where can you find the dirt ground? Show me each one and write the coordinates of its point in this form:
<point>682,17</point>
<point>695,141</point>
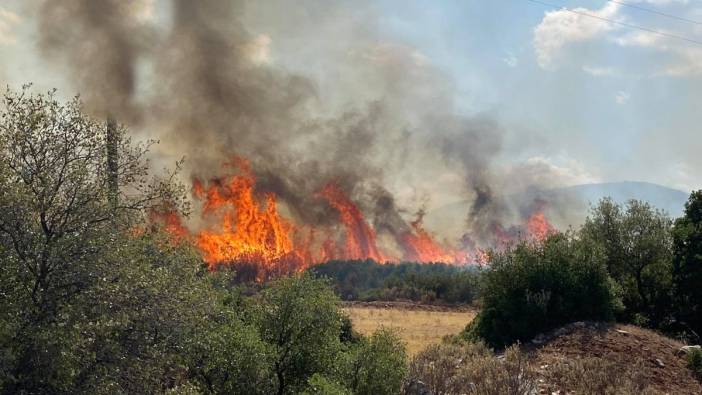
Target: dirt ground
<point>418,325</point>
<point>655,356</point>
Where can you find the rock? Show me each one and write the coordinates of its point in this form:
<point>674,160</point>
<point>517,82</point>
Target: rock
<point>687,350</point>
<point>539,339</point>
<point>417,387</point>
<point>659,363</point>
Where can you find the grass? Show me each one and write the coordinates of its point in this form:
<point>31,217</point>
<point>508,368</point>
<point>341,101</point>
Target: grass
<point>417,327</point>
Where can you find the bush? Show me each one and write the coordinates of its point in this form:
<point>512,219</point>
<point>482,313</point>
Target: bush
<point>377,365</point>
<point>597,376</point>
<point>687,267</point>
<point>470,368</point>
<point>636,241</point>
<point>301,320</point>
<point>320,385</point>
<point>533,288</point>
<point>694,361</point>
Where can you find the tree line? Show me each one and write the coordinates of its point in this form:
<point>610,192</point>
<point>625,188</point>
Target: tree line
<point>628,262</point>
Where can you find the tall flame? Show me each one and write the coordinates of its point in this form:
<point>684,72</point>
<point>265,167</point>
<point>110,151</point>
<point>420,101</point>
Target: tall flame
<point>538,226</point>
<point>360,237</point>
<point>244,230</point>
<point>247,231</point>
<point>420,246</point>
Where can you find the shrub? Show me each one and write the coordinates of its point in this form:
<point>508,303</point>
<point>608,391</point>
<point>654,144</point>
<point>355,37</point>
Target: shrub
<point>687,266</point>
<point>377,365</point>
<point>597,376</point>
<point>636,241</point>
<point>533,288</point>
<point>471,368</point>
<point>694,361</point>
<point>301,320</point>
<point>320,385</point>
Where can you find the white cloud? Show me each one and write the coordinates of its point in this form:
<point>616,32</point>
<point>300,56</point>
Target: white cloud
<point>560,28</point>
<point>8,20</point>
<point>622,97</point>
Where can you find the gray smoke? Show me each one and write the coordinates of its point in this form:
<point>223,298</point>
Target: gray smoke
<point>211,95</point>
<point>98,43</point>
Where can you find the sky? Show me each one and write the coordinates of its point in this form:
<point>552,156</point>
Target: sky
<point>590,101</point>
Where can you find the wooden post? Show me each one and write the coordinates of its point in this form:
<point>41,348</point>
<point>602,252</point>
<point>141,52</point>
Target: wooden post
<point>112,162</point>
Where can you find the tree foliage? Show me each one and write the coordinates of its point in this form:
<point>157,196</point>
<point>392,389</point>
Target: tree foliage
<point>687,265</point>
<point>421,282</point>
<point>535,287</point>
<point>637,244</point>
<point>300,319</point>
<point>95,299</point>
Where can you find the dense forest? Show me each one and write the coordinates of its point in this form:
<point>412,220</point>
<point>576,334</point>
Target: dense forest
<point>419,282</point>
<point>95,298</point>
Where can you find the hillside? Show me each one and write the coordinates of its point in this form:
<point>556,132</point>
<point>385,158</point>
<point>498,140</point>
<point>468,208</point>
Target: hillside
<point>613,352</point>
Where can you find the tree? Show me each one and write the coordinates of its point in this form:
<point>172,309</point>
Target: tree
<point>377,365</point>
<point>687,265</point>
<point>59,220</point>
<point>55,206</point>
<point>536,287</point>
<point>637,242</point>
<point>299,317</point>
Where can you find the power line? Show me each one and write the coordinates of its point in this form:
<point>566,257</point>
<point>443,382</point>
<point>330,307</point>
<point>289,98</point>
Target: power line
<point>637,7</point>
<point>629,25</point>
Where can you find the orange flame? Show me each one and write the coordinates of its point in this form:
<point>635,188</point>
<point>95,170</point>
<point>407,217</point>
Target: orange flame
<point>420,246</point>
<point>538,227</point>
<point>360,238</point>
<point>170,221</point>
<point>247,231</point>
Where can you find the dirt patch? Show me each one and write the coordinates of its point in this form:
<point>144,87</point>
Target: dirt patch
<point>653,356</point>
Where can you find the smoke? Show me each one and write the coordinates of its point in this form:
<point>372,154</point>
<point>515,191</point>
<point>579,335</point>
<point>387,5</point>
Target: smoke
<point>98,43</point>
<point>374,117</point>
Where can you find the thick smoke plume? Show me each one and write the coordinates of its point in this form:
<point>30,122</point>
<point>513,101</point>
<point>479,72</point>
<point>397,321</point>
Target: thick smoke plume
<point>384,131</point>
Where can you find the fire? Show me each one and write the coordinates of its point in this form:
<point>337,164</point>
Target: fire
<point>538,227</point>
<point>360,238</point>
<point>247,231</point>
<point>420,246</point>
<point>171,222</point>
<point>243,229</point>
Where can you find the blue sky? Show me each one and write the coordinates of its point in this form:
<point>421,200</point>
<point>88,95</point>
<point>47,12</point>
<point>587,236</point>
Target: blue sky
<point>610,107</point>
<point>591,101</point>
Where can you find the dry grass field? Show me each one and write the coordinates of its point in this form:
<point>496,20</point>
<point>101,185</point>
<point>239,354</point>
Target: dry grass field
<point>418,326</point>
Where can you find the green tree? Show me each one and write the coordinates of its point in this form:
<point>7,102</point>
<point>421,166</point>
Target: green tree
<point>376,365</point>
<point>687,265</point>
<point>62,225</point>
<point>300,318</point>
<point>637,242</point>
<point>535,287</point>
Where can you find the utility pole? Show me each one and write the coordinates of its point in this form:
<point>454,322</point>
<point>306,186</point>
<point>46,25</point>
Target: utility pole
<point>112,162</point>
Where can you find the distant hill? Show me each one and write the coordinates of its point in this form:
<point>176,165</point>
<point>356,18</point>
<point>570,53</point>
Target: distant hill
<point>567,206</point>
<point>668,199</point>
